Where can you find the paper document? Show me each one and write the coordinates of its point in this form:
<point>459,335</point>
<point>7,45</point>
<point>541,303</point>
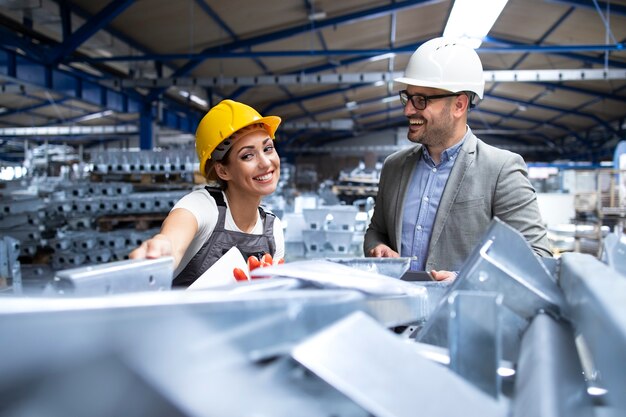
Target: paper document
<point>221,272</point>
<point>328,274</point>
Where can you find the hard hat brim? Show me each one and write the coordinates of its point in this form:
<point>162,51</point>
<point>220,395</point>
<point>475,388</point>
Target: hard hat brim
<point>433,84</point>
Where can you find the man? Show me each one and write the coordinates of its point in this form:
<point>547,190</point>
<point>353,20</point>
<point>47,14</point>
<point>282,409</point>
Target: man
<point>436,199</point>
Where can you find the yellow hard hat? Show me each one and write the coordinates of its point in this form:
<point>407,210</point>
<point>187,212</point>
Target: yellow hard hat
<point>224,119</point>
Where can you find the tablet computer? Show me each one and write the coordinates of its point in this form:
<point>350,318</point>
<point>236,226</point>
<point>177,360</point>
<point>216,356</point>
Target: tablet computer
<point>417,276</point>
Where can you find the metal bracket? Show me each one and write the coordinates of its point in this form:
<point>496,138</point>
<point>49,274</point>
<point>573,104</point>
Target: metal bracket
<point>115,277</point>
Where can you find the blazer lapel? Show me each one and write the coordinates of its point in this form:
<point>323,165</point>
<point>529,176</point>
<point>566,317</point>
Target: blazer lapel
<point>464,160</point>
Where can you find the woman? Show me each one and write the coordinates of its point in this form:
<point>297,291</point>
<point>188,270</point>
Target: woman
<point>236,150</point>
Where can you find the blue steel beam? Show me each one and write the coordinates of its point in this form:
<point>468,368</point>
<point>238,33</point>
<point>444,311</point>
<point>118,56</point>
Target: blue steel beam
<point>593,93</point>
<point>10,41</point>
<point>537,123</point>
<point>66,20</point>
<point>400,122</point>
<point>575,57</point>
<point>562,111</point>
<point>614,8</point>
<point>365,53</point>
<point>319,68</point>
<point>89,28</point>
<point>311,96</point>
<point>538,135</point>
<point>208,10</point>
<point>24,71</point>
<point>551,123</point>
<point>299,29</point>
<point>31,107</point>
<point>63,4</point>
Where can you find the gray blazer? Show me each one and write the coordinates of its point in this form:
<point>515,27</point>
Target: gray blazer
<point>485,182</point>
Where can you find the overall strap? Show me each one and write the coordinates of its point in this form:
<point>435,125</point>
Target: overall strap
<point>217,195</point>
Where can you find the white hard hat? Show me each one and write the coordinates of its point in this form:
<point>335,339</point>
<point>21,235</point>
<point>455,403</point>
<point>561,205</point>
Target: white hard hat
<point>447,64</point>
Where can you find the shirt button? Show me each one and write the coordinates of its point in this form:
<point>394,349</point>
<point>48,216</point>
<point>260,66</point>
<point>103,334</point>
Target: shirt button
<point>414,258</point>
<point>434,169</point>
<point>425,198</point>
<point>419,227</point>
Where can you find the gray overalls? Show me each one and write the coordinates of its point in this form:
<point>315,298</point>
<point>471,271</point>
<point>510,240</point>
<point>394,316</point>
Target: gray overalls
<point>221,240</point>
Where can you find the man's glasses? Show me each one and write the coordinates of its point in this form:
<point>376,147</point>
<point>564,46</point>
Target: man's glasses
<point>420,101</point>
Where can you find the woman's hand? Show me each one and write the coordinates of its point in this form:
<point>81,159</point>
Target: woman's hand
<point>254,263</point>
<point>153,248</point>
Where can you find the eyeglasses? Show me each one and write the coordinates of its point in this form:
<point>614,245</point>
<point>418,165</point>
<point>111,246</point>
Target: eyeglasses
<point>420,101</point>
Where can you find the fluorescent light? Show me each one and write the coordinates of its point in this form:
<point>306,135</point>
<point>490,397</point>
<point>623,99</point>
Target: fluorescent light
<point>314,17</point>
<point>194,98</point>
<point>471,20</point>
<point>380,57</point>
<point>93,116</point>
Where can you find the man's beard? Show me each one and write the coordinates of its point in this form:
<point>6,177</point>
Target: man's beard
<point>437,133</point>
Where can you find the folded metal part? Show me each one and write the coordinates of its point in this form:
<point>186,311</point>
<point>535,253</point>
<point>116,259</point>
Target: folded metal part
<point>596,294</point>
<point>412,385</point>
<point>614,251</point>
<point>115,277</point>
<point>549,381</point>
<point>191,352</point>
<point>504,263</point>
<point>474,338</point>
<point>9,262</point>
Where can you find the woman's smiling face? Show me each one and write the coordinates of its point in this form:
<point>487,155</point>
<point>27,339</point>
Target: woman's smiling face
<point>252,165</point>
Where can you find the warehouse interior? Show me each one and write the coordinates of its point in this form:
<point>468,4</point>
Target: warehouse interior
<point>99,106</point>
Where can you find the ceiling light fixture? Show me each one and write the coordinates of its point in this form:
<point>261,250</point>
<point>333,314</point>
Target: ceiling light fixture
<point>194,98</point>
<point>380,57</point>
<point>471,20</point>
<point>317,16</point>
<point>93,116</point>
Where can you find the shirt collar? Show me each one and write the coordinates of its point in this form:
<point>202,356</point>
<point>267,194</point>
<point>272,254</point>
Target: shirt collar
<point>449,153</point>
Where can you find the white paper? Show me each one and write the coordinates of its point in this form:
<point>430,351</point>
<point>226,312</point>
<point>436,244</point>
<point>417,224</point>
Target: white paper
<point>329,274</point>
<point>221,272</point>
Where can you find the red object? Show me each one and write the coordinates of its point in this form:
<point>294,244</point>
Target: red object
<point>239,274</point>
<point>253,263</point>
<point>267,260</point>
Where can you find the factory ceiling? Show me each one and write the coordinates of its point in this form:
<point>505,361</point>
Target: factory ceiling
<point>85,71</point>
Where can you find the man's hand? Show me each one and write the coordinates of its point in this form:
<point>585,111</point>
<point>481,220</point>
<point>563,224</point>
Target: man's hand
<point>383,251</point>
<point>447,276</point>
<point>254,263</point>
<point>153,248</point>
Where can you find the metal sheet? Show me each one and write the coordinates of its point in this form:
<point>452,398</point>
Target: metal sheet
<point>614,251</point>
<point>332,275</point>
<point>502,263</point>
<point>474,338</point>
<point>596,295</point>
<point>386,376</point>
<point>192,356</point>
<point>116,277</point>
<point>549,379</point>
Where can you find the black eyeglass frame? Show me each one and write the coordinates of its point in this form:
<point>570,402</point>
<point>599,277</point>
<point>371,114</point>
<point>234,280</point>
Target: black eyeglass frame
<point>409,97</point>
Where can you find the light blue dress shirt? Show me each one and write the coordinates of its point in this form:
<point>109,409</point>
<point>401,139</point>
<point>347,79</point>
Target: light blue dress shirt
<point>420,206</point>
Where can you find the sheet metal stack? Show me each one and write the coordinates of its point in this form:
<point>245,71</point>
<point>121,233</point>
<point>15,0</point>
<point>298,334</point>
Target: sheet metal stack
<point>512,336</point>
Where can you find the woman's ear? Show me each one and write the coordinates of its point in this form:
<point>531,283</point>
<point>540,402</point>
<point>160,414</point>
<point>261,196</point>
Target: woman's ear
<point>222,171</point>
